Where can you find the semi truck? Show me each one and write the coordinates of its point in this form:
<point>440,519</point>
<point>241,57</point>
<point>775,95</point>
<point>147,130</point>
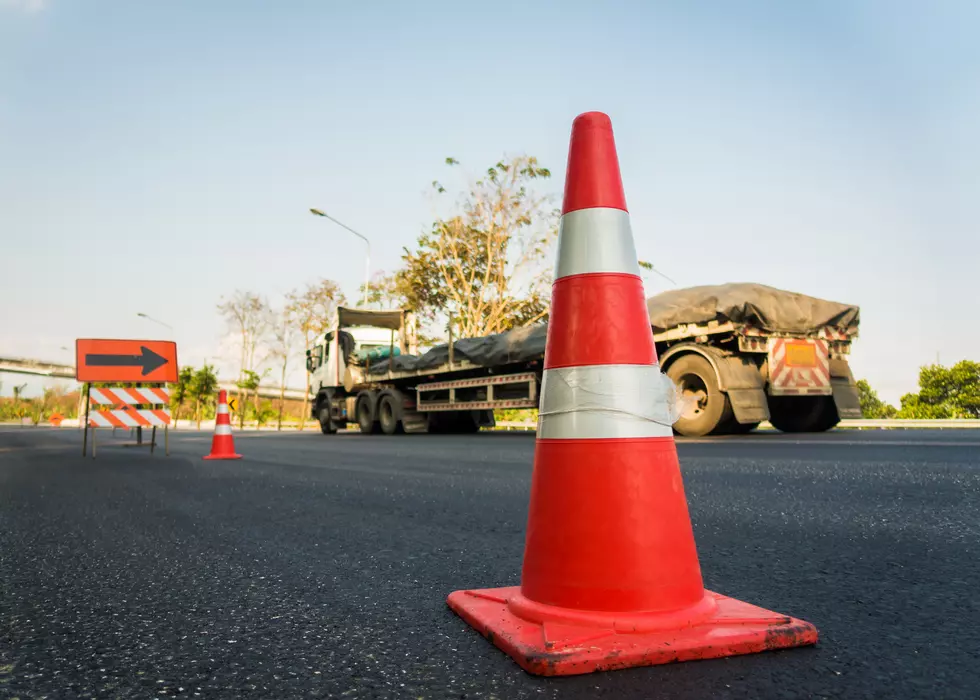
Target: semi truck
<point>738,354</point>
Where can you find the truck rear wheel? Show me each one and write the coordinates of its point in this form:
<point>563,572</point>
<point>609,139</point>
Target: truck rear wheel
<point>803,414</point>
<point>709,410</point>
<point>327,426</point>
<point>365,415</point>
<point>388,415</point>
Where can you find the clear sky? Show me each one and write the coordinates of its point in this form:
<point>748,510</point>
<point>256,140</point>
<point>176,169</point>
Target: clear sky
<point>156,155</point>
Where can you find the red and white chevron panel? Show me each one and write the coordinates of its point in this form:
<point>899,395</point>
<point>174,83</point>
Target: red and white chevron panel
<point>799,367</point>
<point>129,396</point>
<point>129,418</point>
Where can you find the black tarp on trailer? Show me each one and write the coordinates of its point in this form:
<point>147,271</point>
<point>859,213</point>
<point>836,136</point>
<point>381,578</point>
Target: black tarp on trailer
<point>766,308</point>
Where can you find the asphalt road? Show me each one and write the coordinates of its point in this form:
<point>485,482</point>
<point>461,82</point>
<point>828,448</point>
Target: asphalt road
<point>319,566</point>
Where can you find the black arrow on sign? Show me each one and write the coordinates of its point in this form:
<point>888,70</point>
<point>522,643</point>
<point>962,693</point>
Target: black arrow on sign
<point>147,359</point>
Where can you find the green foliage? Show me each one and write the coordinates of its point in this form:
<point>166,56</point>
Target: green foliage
<point>203,389</point>
<point>516,415</point>
<point>265,413</point>
<point>945,392</point>
<point>39,409</point>
<point>871,405</point>
<point>250,380</point>
<point>181,391</point>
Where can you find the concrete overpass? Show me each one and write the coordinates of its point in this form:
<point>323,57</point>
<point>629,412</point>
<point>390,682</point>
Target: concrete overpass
<point>22,365</point>
<point>41,368</point>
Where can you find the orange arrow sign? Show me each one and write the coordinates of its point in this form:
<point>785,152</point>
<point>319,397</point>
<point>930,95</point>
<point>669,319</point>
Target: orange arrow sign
<point>151,361</point>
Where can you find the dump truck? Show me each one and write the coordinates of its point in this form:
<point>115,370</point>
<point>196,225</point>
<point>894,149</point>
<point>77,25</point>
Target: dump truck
<point>738,354</point>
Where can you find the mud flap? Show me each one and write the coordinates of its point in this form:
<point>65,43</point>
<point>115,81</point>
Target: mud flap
<point>487,419</point>
<point>745,386</point>
<point>749,405</point>
<point>846,396</point>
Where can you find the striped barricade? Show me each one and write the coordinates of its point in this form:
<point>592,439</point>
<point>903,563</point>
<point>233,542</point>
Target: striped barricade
<point>130,407</point>
<point>124,414</point>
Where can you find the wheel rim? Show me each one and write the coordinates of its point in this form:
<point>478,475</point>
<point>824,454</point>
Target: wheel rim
<point>695,393</point>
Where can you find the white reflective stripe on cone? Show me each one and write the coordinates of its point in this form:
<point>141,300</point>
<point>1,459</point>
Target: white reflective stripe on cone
<point>607,401</point>
<point>222,429</point>
<point>222,409</point>
<point>596,240</point>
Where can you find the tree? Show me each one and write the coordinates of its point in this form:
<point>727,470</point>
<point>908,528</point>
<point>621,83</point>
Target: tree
<point>482,266</point>
<point>284,335</point>
<point>180,392</point>
<point>248,315</point>
<point>871,405</point>
<point>312,311</point>
<point>386,291</point>
<point>203,388</point>
<point>250,385</point>
<point>945,392</point>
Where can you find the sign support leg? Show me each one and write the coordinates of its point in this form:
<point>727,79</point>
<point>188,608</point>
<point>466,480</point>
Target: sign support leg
<point>85,390</point>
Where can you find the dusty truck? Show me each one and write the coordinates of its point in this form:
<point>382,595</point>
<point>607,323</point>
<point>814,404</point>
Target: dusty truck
<point>739,354</point>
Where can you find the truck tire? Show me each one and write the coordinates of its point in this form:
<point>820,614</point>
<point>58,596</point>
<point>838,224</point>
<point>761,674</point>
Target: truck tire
<point>366,420</point>
<point>712,411</point>
<point>388,415</point>
<point>327,426</point>
<point>467,422</point>
<point>453,422</point>
<point>803,414</point>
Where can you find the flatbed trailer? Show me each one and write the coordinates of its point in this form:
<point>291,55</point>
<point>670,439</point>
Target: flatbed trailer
<point>732,371</point>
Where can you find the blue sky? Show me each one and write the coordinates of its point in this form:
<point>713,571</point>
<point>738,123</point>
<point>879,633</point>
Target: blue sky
<point>156,155</point>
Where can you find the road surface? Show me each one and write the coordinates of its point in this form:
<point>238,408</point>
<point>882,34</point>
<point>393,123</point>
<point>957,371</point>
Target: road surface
<point>319,566</point>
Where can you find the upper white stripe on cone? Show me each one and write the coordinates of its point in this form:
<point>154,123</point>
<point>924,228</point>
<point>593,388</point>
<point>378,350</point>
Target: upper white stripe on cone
<point>607,401</point>
<point>222,409</point>
<point>596,240</point>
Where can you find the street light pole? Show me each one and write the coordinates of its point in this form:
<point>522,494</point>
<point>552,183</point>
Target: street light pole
<point>150,318</point>
<point>367,257</point>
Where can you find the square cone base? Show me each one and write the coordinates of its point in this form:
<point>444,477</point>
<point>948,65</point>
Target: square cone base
<point>563,650</point>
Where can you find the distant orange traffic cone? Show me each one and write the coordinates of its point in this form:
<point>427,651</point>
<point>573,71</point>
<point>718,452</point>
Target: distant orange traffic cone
<point>222,444</point>
<point>611,577</point>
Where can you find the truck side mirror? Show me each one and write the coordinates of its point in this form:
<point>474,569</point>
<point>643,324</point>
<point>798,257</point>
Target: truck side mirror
<point>309,362</point>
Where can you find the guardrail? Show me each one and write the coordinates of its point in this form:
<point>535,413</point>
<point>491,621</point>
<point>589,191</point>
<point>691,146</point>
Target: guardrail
<point>859,424</point>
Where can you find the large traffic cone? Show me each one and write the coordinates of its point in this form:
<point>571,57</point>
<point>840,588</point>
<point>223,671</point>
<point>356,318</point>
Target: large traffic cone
<point>611,577</point>
<point>222,444</point>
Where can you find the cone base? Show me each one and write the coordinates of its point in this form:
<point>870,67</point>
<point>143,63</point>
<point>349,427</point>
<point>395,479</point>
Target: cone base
<point>558,649</point>
<point>231,456</point>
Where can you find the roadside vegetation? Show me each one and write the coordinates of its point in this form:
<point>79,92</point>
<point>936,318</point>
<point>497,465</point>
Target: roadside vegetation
<point>944,393</point>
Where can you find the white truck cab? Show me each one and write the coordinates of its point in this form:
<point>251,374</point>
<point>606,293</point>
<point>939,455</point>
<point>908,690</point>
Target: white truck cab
<point>356,337</point>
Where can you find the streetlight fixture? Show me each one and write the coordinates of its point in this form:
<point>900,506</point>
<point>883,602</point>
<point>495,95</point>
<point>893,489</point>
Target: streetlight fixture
<point>150,318</point>
<point>367,258</point>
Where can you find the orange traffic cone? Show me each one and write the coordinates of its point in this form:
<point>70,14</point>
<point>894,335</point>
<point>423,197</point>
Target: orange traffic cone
<point>611,577</point>
<point>222,444</point>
